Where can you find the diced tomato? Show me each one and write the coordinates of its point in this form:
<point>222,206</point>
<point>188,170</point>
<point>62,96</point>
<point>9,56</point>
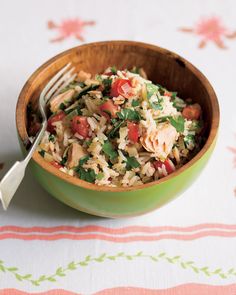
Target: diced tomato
<point>192,112</point>
<point>108,109</point>
<point>108,74</point>
<point>133,132</point>
<point>80,125</point>
<point>121,87</point>
<point>56,164</point>
<point>167,93</point>
<point>54,118</point>
<point>167,163</point>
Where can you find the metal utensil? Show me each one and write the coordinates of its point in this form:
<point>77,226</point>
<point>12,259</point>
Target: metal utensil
<point>14,176</point>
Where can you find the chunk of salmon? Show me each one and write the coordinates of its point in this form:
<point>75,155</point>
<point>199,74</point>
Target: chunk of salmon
<point>160,141</point>
<point>75,153</point>
<point>65,97</point>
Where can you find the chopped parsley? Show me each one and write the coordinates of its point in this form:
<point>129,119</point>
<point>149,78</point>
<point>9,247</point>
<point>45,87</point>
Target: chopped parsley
<point>157,104</point>
<point>83,160</point>
<point>109,150</point>
<point>152,95</point>
<point>163,119</point>
<point>85,90</point>
<point>99,176</point>
<point>135,103</point>
<point>88,142</point>
<point>63,161</point>
<point>178,123</point>
<point>135,70</point>
<point>173,95</point>
<point>51,137</point>
<point>114,70</point>
<point>189,141</point>
<point>114,130</point>
<point>42,153</point>
<point>107,86</point>
<point>128,114</point>
<point>131,163</point>
<point>62,106</point>
<point>87,175</point>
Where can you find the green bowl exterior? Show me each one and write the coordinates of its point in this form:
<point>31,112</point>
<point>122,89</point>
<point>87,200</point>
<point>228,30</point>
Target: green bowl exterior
<point>120,204</point>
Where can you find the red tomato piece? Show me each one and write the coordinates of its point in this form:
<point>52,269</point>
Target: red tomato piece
<point>133,132</point>
<point>121,87</point>
<point>54,118</point>
<point>192,112</point>
<point>167,93</point>
<point>108,109</point>
<point>169,166</point>
<point>56,164</point>
<point>80,125</point>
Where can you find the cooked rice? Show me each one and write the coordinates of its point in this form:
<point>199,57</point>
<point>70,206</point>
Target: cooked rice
<point>122,124</point>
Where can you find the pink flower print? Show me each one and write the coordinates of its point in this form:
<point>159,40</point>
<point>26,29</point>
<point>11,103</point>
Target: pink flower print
<point>233,150</point>
<point>211,29</point>
<point>69,28</point>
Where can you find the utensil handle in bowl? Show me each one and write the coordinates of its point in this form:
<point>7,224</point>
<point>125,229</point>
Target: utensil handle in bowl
<point>11,181</point>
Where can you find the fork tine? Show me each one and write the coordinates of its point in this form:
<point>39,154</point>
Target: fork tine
<point>64,78</point>
<point>53,80</point>
<point>67,82</point>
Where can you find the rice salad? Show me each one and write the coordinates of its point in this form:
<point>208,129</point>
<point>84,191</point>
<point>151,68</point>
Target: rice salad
<point>119,129</point>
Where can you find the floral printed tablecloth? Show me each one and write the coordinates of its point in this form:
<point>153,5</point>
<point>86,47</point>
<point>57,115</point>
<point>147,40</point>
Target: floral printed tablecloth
<point>186,247</point>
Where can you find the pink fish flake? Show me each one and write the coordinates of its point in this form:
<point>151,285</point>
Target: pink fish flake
<point>69,28</point>
<point>211,29</point>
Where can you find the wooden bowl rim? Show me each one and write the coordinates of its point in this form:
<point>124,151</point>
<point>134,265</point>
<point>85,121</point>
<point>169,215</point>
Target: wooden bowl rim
<point>21,128</point>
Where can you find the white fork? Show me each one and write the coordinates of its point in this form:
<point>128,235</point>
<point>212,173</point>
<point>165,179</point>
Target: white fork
<point>14,176</point>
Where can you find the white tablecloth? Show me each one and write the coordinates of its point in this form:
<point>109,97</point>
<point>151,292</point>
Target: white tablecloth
<point>186,247</point>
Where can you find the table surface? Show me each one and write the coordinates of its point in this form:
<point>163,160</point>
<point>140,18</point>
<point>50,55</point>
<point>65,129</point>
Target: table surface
<point>186,247</point>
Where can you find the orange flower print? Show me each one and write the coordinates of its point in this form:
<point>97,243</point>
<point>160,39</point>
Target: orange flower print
<point>211,29</point>
<point>69,28</point>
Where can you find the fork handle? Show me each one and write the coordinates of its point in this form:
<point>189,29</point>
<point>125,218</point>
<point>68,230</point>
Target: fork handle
<point>14,176</point>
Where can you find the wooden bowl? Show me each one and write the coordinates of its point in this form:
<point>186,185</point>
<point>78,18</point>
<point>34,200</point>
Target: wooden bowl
<point>163,67</point>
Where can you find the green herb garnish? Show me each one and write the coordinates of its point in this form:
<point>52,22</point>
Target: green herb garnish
<point>88,142</point>
<point>42,153</point>
<point>63,161</point>
<point>157,105</point>
<point>99,176</point>
<point>114,70</point>
<point>178,123</point>
<point>51,137</point>
<point>163,119</point>
<point>135,103</point>
<point>62,106</point>
<point>189,141</point>
<point>107,86</point>
<point>128,114</point>
<point>83,160</point>
<point>131,163</point>
<point>135,70</point>
<point>173,95</point>
<point>85,90</point>
<point>152,95</point>
<point>72,85</point>
<point>87,175</point>
<point>109,150</point>
<point>114,130</point>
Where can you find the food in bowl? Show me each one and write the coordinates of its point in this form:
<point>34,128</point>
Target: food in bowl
<point>119,129</point>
